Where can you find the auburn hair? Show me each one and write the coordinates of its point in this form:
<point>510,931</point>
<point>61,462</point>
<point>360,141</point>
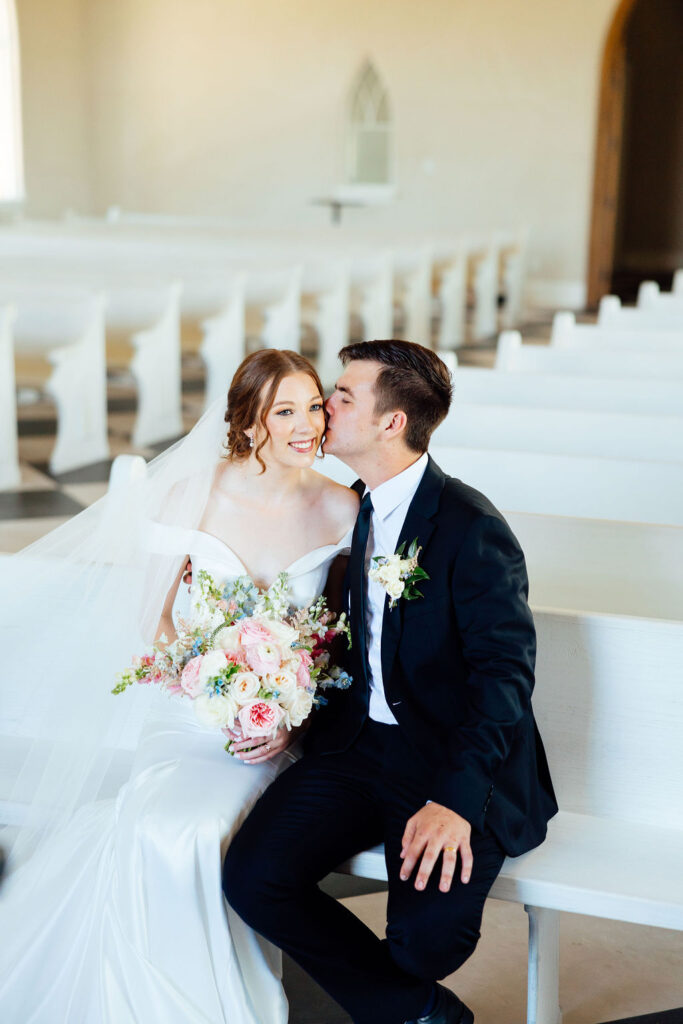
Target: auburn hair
<point>249,403</point>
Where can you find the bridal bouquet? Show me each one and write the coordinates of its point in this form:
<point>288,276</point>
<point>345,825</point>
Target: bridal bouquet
<point>246,657</point>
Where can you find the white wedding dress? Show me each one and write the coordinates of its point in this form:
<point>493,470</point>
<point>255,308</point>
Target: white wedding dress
<point>127,923</point>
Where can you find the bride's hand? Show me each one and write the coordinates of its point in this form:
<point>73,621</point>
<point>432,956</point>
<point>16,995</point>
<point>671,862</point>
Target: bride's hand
<point>260,748</point>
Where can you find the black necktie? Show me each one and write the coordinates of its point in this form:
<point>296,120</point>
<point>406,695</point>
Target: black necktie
<point>358,578</point>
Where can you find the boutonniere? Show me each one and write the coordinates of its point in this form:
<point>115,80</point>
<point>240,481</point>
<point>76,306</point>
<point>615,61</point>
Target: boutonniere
<point>399,573</point>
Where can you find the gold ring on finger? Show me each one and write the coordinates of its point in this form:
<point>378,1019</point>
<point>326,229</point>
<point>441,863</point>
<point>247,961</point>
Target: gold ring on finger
<point>450,848</point>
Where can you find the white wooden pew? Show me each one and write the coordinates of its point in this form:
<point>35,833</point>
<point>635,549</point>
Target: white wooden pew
<point>66,328</point>
<point>220,304</point>
<point>563,432</point>
<point>152,319</point>
<point>513,256</point>
<point>413,270</point>
<point>9,459</point>
<point>607,701</point>
<point>594,565</point>
<point>497,263</point>
<point>484,275</point>
<point>657,341</point>
<point>211,269</point>
<point>475,385</point>
<point>602,565</point>
<point>515,358</point>
<point>566,485</point>
<point>452,296</point>
<point>331,290</point>
<point>652,300</point>
<point>658,316</point>
<point>559,485</point>
<point>145,308</point>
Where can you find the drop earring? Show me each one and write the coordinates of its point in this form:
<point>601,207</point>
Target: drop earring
<point>251,442</point>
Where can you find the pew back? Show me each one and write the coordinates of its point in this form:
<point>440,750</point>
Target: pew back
<point>630,333</point>
<point>514,357</point>
<point>476,385</point>
<point>559,485</point>
<point>610,709</point>
<point>648,317</point>
<point>600,565</point>
<point>558,431</point>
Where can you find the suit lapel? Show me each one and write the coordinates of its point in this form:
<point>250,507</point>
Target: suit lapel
<point>420,523</point>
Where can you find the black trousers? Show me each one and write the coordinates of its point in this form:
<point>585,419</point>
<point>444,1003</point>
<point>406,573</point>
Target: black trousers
<point>314,816</point>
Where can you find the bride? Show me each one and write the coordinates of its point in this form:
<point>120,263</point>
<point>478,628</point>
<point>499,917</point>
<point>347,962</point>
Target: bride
<point>112,912</point>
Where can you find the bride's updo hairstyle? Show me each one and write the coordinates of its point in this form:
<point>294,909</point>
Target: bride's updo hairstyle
<point>249,403</point>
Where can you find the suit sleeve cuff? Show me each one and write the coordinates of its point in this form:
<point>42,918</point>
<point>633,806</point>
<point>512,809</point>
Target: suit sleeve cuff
<point>467,797</point>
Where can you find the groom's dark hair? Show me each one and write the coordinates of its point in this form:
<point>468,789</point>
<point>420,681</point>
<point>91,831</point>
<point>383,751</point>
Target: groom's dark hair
<point>413,379</point>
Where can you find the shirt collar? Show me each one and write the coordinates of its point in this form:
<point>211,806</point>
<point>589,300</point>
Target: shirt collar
<point>388,496</point>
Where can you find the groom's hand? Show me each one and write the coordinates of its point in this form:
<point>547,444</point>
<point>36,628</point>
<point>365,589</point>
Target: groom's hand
<point>436,831</point>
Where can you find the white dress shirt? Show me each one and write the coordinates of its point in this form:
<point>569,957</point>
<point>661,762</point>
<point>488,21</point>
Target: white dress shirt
<point>390,502</point>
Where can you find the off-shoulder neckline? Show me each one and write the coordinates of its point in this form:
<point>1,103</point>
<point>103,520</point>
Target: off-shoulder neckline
<point>294,568</point>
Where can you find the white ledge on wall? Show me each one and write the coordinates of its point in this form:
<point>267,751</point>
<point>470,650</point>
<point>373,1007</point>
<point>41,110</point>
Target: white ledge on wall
<point>365,194</point>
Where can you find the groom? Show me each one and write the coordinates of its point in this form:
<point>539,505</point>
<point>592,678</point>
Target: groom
<point>433,750</point>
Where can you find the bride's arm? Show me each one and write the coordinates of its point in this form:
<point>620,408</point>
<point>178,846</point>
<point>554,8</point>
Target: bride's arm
<point>166,625</point>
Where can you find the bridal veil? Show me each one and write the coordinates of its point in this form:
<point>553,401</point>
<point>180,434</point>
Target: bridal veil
<point>74,607</point>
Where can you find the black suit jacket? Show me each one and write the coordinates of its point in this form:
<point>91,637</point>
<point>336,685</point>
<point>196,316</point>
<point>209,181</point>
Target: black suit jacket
<point>458,667</point>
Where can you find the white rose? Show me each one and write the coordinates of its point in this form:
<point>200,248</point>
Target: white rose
<point>217,710</point>
<point>299,708</point>
<point>395,590</point>
<point>282,631</point>
<point>392,572</point>
<point>284,682</point>
<point>244,686</point>
<point>228,639</point>
<point>212,664</point>
<point>291,665</point>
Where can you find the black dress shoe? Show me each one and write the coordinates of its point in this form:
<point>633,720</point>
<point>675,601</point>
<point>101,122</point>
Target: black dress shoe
<point>448,1010</point>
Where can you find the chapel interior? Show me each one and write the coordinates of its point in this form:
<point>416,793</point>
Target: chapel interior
<point>525,155</point>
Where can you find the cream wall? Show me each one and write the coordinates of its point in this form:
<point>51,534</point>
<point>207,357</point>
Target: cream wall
<point>236,108</point>
<point>54,105</point>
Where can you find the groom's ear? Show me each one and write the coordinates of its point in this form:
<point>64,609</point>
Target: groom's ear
<point>394,423</point>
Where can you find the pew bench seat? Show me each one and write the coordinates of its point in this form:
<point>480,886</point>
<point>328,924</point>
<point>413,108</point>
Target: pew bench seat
<point>601,867</point>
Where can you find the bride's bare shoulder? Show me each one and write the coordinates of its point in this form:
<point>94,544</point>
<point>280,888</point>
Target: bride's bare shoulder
<point>339,504</point>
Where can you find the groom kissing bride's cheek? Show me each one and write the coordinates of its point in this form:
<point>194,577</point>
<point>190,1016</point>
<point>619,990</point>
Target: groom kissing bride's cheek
<point>433,750</point>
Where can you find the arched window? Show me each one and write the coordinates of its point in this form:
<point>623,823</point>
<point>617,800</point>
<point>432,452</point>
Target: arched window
<point>11,158</point>
<point>370,156</point>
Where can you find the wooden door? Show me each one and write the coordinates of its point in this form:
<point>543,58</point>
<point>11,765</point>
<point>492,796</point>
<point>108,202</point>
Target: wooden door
<point>608,158</point>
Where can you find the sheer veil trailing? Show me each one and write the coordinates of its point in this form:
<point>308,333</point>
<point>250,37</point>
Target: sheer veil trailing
<point>75,606</point>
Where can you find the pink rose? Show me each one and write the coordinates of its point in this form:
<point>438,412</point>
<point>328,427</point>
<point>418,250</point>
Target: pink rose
<point>189,680</point>
<point>303,675</point>
<point>253,632</point>
<point>233,658</point>
<point>264,658</point>
<point>260,718</point>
